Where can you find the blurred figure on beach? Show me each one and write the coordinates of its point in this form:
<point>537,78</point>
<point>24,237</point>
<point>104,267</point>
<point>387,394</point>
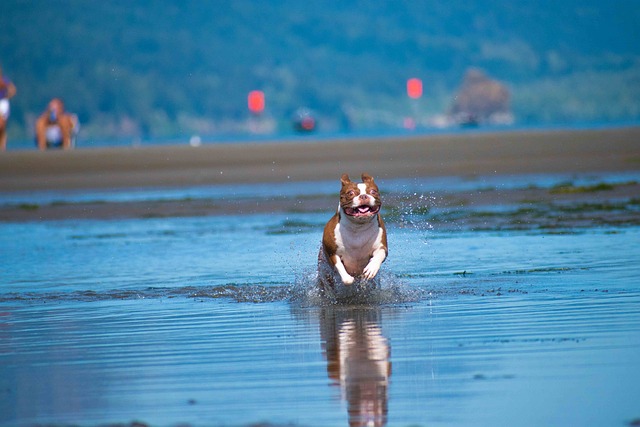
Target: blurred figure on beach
<point>7,91</point>
<point>55,128</point>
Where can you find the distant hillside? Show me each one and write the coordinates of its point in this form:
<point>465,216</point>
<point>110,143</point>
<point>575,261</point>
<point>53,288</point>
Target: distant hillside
<point>165,68</point>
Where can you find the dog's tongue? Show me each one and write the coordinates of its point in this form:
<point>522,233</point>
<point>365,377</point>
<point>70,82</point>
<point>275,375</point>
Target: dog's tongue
<point>360,210</point>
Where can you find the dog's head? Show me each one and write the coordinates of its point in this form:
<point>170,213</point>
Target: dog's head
<point>359,201</point>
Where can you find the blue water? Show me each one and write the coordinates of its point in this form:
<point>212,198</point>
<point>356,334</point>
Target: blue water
<point>214,321</point>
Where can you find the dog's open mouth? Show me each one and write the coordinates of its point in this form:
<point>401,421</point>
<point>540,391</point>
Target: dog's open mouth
<point>363,210</point>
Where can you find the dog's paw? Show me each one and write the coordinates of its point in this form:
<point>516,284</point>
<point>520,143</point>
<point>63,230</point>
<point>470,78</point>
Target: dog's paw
<point>348,280</point>
<point>370,271</point>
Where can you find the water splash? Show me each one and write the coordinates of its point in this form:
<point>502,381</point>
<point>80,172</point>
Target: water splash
<point>388,291</point>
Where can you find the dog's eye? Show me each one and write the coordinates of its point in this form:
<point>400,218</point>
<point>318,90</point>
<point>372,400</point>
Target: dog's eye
<point>351,193</point>
<point>373,192</point>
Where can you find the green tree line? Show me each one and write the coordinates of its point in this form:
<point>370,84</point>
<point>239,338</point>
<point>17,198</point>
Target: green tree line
<point>167,68</point>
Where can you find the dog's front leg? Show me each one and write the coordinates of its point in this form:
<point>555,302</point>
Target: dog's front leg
<point>347,279</point>
<point>372,268</point>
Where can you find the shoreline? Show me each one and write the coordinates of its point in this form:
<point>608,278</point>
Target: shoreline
<point>472,154</point>
<point>566,205</point>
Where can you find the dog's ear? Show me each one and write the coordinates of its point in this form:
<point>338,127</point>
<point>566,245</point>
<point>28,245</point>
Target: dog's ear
<point>344,179</point>
<point>367,178</point>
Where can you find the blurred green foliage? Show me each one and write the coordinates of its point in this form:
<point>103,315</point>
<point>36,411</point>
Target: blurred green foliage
<point>164,68</point>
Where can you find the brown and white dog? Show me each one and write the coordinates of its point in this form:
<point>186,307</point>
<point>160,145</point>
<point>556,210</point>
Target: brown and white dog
<point>354,243</point>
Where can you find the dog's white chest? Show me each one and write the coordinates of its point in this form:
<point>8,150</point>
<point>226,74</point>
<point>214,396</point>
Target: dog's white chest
<point>356,244</point>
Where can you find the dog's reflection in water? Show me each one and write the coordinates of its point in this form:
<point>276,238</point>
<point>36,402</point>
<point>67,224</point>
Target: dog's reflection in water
<point>358,361</point>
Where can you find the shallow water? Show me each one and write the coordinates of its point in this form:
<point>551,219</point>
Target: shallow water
<point>214,321</point>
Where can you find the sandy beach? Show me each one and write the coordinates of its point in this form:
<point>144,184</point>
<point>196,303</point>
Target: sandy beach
<point>468,156</point>
<point>392,157</point>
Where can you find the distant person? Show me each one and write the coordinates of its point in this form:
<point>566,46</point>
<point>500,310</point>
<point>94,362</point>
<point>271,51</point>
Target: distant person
<point>7,91</point>
<point>55,127</point>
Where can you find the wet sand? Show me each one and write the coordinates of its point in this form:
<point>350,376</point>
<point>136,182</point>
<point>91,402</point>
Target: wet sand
<point>604,203</point>
<point>393,157</point>
<point>470,155</point>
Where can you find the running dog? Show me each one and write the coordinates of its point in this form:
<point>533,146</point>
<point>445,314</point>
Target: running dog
<point>354,242</point>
